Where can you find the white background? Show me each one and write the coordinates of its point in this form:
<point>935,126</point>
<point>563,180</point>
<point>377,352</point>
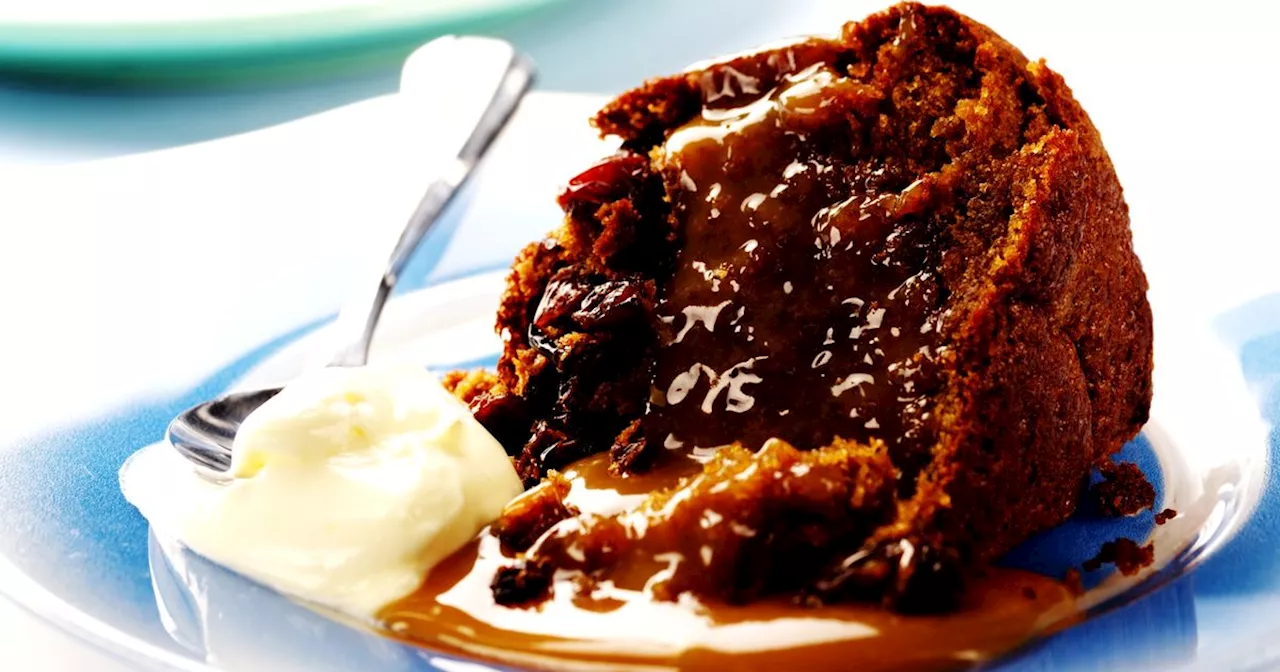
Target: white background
<point>96,257</point>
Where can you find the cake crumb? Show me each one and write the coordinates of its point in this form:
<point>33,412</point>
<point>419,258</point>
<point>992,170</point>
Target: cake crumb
<point>1073,582</point>
<point>1165,516</point>
<point>1123,491</point>
<point>467,385</point>
<point>1125,554</point>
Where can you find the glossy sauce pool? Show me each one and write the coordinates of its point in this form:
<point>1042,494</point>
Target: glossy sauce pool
<point>454,611</point>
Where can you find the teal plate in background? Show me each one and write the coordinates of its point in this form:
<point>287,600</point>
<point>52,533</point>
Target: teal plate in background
<point>197,41</point>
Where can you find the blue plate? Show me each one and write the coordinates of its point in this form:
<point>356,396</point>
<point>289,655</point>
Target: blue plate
<point>75,553</point>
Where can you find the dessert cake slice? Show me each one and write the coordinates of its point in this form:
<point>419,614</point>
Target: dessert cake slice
<point>882,285</point>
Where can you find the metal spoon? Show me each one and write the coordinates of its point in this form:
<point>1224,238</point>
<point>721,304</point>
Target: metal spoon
<point>204,433</point>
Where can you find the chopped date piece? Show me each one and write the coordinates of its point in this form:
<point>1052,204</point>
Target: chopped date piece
<point>610,305</point>
<point>906,576</point>
<point>607,180</point>
<point>522,583</point>
<point>928,579</point>
<point>630,452</point>
<point>505,416</point>
<point>563,295</point>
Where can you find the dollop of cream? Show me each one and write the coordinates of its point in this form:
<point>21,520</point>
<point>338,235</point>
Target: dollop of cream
<point>349,486</point>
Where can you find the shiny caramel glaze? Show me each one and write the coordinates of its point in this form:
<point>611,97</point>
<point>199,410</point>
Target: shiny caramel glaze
<point>804,305</point>
<point>614,627</point>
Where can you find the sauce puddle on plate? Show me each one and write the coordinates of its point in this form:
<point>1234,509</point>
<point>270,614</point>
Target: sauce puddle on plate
<point>454,611</point>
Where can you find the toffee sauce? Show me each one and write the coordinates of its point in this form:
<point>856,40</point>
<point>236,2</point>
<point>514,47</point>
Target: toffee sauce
<point>616,628</point>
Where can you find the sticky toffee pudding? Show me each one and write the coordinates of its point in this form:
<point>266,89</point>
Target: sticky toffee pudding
<point>841,322</point>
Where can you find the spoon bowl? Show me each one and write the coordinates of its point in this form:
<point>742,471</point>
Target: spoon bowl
<point>204,434</point>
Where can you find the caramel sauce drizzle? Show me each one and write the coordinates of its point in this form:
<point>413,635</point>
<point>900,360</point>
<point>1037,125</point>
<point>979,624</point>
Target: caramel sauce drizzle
<point>617,628</point>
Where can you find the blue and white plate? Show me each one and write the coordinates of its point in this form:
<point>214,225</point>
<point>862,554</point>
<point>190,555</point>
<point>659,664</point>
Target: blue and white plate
<point>184,273</point>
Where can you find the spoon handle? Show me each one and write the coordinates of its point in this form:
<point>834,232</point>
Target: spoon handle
<point>354,327</point>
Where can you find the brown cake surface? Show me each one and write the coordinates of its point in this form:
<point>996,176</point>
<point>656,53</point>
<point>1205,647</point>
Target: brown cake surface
<point>903,253</point>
